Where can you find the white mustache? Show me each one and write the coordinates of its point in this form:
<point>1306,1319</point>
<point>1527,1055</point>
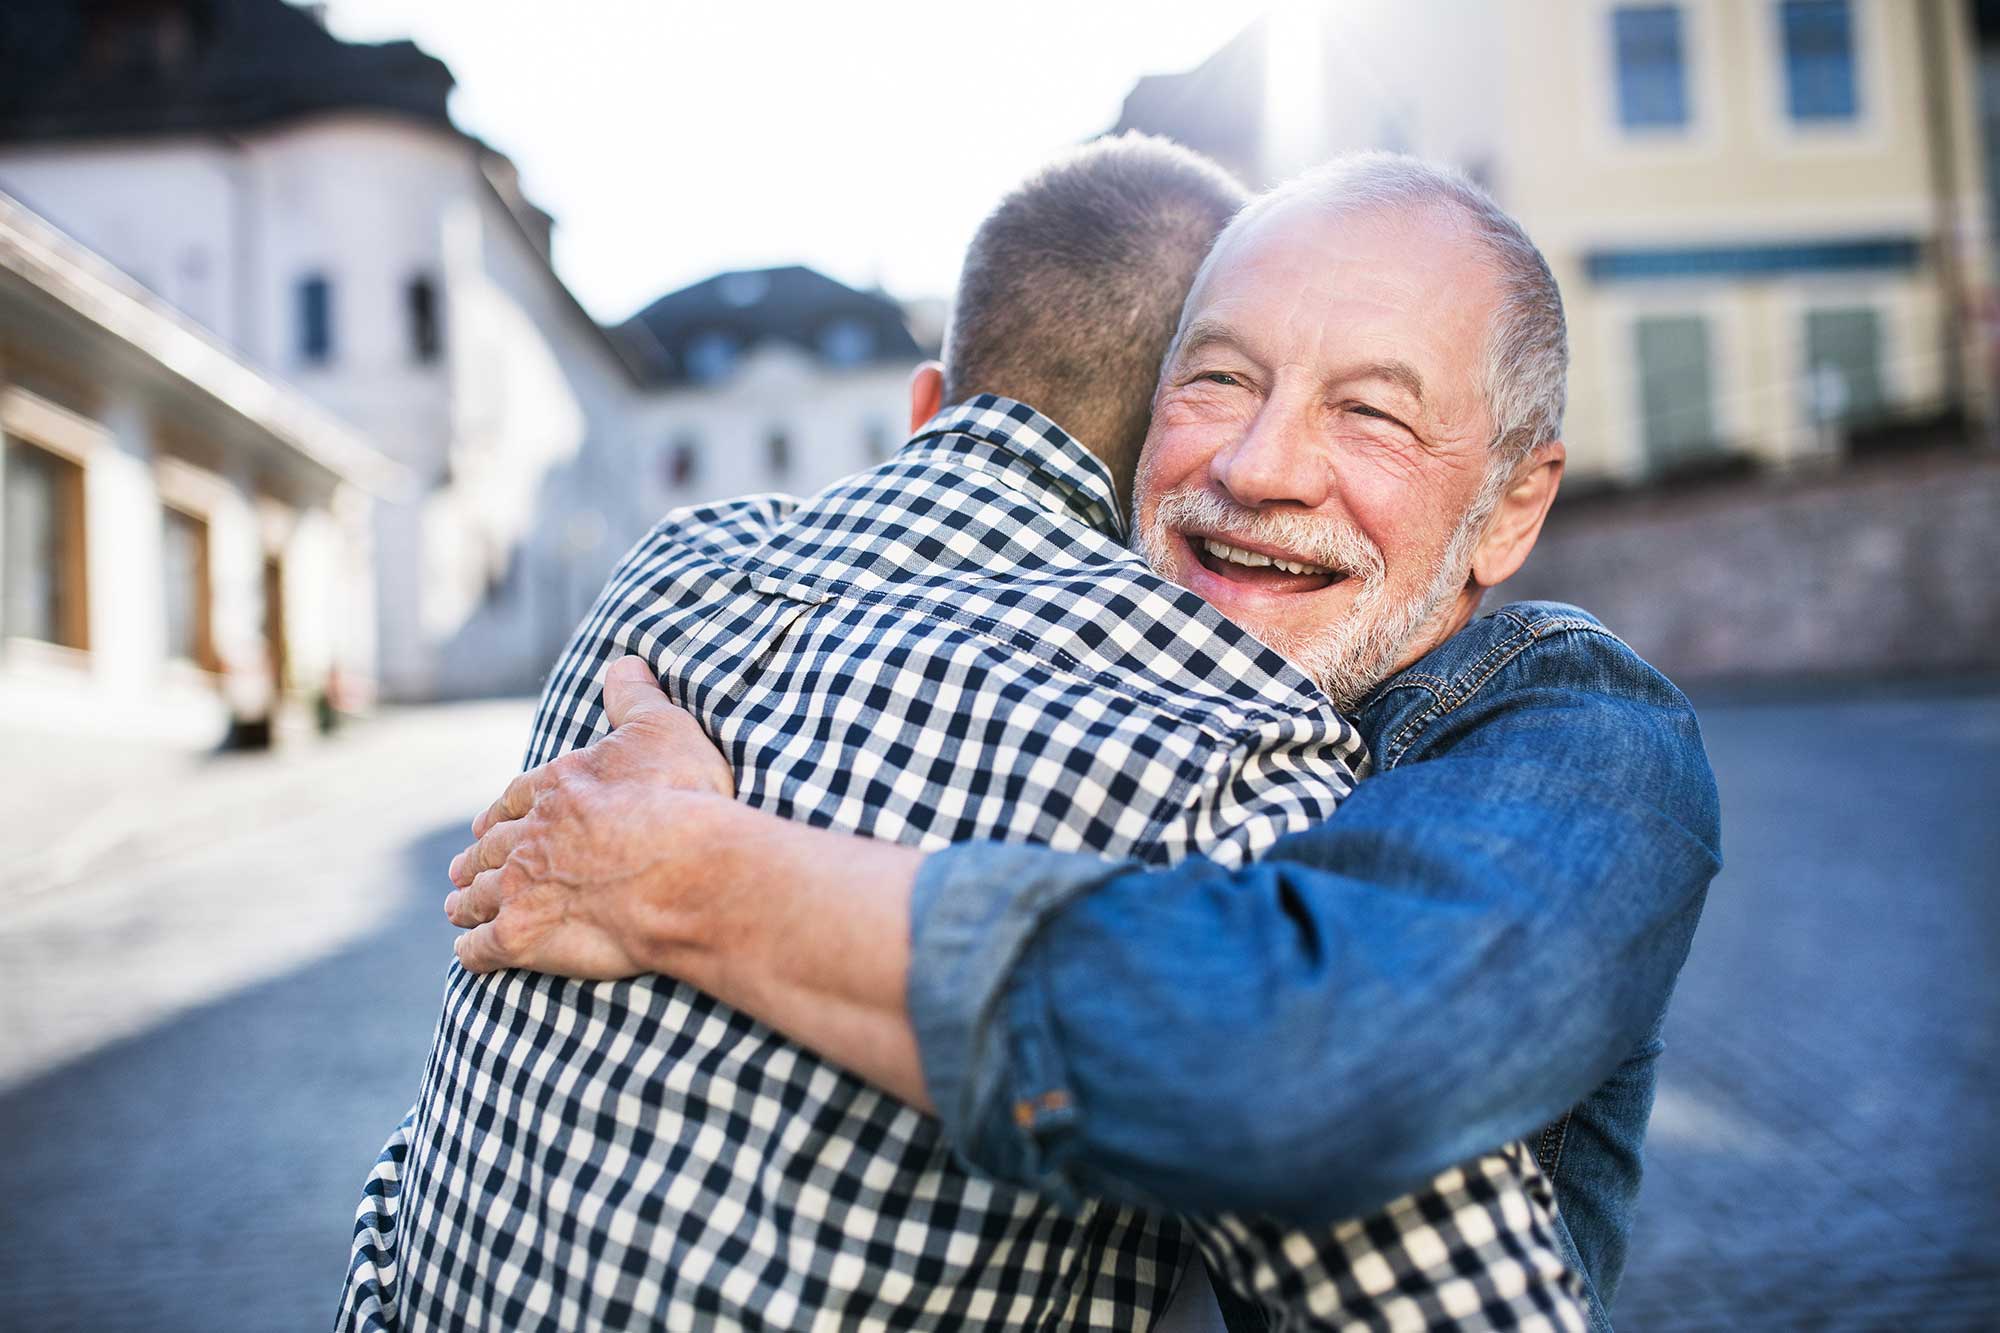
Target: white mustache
<point>1332,542</point>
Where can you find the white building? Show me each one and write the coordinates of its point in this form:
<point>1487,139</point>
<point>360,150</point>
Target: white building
<point>768,379</point>
<point>310,201</point>
<point>184,544</point>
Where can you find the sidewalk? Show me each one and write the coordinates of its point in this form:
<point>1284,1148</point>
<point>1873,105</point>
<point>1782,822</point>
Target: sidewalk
<point>185,876</point>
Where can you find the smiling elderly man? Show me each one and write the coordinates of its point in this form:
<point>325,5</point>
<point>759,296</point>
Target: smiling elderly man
<point>1354,435</point>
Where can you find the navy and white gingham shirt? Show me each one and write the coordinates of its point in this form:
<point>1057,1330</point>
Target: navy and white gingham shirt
<point>954,645</point>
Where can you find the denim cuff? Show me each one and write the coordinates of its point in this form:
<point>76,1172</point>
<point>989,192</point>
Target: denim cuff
<point>991,1063</point>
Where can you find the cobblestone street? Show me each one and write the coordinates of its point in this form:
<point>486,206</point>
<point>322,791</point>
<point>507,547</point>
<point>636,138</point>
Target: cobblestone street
<point>218,980</point>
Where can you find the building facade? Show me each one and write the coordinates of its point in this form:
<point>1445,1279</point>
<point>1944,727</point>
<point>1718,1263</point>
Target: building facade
<point>185,545</point>
<point>1768,217</point>
<point>310,202</point>
<point>775,379</point>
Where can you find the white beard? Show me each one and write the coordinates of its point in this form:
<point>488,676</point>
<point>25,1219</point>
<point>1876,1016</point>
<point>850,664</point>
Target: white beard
<point>1348,658</point>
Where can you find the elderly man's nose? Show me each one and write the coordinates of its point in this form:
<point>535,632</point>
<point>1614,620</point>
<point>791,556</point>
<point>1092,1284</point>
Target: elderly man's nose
<point>1273,463</point>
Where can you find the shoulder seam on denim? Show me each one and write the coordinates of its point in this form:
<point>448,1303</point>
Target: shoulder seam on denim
<point>1454,694</point>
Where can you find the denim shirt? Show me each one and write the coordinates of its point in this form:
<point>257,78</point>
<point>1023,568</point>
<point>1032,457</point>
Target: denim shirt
<point>1479,947</point>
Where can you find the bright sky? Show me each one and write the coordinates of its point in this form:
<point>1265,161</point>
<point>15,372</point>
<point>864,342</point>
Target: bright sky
<point>673,139</point>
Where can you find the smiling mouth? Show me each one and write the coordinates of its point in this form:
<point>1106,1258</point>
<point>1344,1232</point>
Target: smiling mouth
<point>1260,569</point>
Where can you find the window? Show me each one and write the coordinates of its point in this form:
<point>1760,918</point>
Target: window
<point>1819,59</point>
<point>683,462</point>
<point>44,554</point>
<point>1650,52</point>
<point>846,342</point>
<point>315,311</point>
<point>711,356</point>
<point>1844,363</point>
<point>778,453</point>
<point>426,342</point>
<point>184,559</point>
<point>1676,396</point>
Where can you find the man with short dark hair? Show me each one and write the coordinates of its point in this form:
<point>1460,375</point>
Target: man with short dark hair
<point>1064,301</point>
<point>957,643</point>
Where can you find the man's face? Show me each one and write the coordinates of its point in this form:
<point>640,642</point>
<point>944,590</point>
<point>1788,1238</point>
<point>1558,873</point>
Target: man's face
<point>1319,439</point>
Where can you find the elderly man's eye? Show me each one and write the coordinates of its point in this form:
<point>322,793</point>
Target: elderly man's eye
<point>1219,377</point>
<point>1364,410</point>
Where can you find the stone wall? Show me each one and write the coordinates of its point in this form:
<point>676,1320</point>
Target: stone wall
<point>1884,567</point>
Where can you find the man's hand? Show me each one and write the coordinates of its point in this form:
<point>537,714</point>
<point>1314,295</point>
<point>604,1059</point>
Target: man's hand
<point>630,856</point>
<point>567,872</point>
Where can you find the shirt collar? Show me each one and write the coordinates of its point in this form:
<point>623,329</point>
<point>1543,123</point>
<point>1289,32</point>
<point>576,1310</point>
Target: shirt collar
<point>1033,451</point>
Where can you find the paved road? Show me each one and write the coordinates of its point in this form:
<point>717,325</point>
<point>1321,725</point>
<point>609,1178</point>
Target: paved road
<point>1825,1153</point>
<point>238,1023</point>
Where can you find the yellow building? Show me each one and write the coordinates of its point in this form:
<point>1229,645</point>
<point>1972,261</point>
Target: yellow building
<point>1768,217</point>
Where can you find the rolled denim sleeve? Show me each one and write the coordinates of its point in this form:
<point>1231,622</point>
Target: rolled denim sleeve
<point>992,1078</point>
<point>1474,943</point>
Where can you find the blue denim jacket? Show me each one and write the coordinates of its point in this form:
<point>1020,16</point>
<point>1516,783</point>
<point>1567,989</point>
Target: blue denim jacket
<point>1479,947</point>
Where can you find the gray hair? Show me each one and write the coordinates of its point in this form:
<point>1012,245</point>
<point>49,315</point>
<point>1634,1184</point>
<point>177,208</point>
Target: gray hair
<point>1527,346</point>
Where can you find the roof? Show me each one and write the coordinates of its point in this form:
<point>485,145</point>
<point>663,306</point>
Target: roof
<point>1214,108</point>
<point>72,69</point>
<point>92,290</point>
<point>75,70</point>
<point>695,335</point>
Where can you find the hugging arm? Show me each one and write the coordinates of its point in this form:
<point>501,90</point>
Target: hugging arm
<point>1468,949</point>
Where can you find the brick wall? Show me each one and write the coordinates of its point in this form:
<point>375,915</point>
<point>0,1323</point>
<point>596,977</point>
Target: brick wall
<point>1885,567</point>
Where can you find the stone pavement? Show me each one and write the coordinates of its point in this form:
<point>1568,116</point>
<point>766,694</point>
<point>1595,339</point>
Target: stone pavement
<point>1824,1151</point>
<point>210,1026</point>
<point>215,1003</point>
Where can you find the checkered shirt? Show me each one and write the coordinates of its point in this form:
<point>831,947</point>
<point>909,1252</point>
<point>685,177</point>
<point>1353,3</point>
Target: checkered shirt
<point>955,645</point>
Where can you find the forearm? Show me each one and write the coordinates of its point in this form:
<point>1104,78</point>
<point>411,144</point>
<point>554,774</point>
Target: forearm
<point>805,930</point>
<point>1310,1036</point>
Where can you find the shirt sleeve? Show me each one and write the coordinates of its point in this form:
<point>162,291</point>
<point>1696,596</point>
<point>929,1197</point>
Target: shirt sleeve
<point>1474,943</point>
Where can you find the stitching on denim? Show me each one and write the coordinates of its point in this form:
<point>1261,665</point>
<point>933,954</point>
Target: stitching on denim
<point>1449,698</point>
<point>1548,1153</point>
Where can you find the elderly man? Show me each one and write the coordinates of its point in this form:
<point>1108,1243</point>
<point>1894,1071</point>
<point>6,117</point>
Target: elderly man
<point>953,644</point>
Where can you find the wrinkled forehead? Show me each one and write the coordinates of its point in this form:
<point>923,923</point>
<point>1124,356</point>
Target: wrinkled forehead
<point>1420,261</point>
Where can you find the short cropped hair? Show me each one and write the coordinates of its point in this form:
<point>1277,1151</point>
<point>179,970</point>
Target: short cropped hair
<point>1073,287</point>
<point>1526,367</point>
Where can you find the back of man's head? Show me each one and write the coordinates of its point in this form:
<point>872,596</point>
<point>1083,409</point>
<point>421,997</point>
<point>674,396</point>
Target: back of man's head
<point>1073,286</point>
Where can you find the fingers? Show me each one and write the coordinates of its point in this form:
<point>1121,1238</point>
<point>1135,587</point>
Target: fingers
<point>492,850</point>
<point>476,903</point>
<point>513,803</point>
<point>478,950</point>
<point>630,688</point>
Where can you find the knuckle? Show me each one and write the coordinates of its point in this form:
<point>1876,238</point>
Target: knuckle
<point>508,935</point>
<point>528,863</point>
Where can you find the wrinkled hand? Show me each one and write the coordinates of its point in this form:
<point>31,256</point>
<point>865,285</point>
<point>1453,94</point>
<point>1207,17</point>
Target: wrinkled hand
<point>568,871</point>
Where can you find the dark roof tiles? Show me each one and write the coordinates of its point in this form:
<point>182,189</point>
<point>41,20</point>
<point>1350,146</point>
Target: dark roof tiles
<point>696,333</point>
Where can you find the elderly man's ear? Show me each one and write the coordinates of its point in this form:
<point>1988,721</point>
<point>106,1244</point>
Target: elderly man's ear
<point>926,393</point>
<point>1511,532</point>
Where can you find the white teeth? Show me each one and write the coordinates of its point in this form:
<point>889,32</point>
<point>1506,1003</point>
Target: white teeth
<point>1238,556</point>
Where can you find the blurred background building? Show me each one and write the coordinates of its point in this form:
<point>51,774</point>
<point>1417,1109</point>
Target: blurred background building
<point>771,379</point>
<point>174,522</point>
<point>311,205</point>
